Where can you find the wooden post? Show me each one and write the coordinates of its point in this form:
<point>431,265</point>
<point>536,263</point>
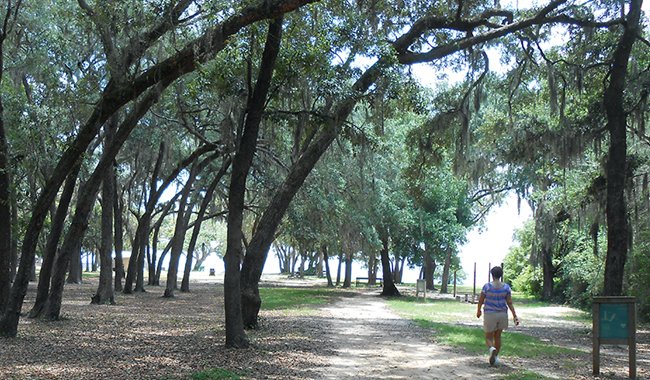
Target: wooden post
<point>474,292</point>
<point>614,323</point>
<point>454,284</point>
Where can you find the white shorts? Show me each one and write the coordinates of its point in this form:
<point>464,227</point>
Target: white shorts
<point>495,321</point>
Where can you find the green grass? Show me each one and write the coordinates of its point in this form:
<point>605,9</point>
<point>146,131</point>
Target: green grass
<point>524,375</point>
<point>444,315</point>
<point>473,340</point>
<point>286,298</point>
<point>216,374</point>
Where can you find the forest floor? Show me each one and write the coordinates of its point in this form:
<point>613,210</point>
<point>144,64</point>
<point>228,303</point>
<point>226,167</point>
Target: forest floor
<point>145,336</point>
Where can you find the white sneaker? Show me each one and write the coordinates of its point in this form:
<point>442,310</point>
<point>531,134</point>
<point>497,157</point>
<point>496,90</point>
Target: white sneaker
<point>493,355</point>
<point>496,360</point>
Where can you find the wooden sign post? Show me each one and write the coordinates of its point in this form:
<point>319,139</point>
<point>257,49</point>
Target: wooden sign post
<point>614,323</point>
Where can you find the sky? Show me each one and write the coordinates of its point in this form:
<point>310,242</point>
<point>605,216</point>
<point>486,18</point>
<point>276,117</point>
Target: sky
<point>491,245</point>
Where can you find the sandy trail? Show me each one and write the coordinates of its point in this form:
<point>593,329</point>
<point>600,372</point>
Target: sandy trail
<point>373,342</point>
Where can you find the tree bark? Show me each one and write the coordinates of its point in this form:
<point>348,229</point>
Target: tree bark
<point>178,240</point>
<point>136,262</point>
<point>119,239</point>
<point>548,273</point>
<point>429,268</point>
<point>326,261</point>
<point>235,335</point>
<point>9,18</point>
<point>58,222</point>
<point>617,222</point>
<point>182,221</point>
<point>445,271</point>
<point>389,285</point>
<point>185,284</point>
<point>115,95</point>
<point>104,293</point>
<point>87,199</point>
<point>347,281</point>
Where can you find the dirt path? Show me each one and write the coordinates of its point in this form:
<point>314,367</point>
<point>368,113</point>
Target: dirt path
<point>372,342</point>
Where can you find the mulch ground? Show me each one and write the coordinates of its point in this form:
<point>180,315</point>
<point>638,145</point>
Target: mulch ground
<point>146,336</point>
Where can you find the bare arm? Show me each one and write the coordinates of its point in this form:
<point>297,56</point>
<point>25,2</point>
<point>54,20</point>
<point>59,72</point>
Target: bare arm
<point>512,308</point>
<point>481,299</point>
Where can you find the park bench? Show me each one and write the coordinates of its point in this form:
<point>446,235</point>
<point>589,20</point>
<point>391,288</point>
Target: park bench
<point>360,280</point>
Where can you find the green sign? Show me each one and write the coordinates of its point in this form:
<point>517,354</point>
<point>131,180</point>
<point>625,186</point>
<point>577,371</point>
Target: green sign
<point>614,322</point>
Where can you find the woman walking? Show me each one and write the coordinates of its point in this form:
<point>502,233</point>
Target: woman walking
<point>497,298</point>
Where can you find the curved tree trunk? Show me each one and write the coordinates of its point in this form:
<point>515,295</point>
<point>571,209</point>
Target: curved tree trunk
<point>58,222</point>
<point>185,284</point>
<point>104,294</point>
<point>114,97</point>
<point>265,234</point>
<point>182,219</point>
<point>87,199</point>
<point>389,285</point>
<point>235,335</point>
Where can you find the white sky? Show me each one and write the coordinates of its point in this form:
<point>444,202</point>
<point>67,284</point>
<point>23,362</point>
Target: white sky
<point>491,245</point>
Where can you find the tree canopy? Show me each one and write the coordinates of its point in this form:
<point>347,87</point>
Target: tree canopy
<point>301,124</point>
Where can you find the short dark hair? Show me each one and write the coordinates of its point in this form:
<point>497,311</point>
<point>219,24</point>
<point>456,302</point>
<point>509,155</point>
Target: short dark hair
<point>497,272</point>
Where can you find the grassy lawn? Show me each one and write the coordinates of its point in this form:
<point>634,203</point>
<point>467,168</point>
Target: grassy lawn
<point>286,298</point>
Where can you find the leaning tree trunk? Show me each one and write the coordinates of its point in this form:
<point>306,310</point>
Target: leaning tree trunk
<point>617,223</point>
<point>87,199</point>
<point>53,239</point>
<point>114,97</point>
<point>105,293</point>
<point>235,335</point>
<point>258,248</point>
<point>389,285</point>
<point>182,219</point>
<point>185,284</point>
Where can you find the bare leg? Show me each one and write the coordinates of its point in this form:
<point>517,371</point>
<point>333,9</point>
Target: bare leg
<point>497,340</point>
<point>489,339</point>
